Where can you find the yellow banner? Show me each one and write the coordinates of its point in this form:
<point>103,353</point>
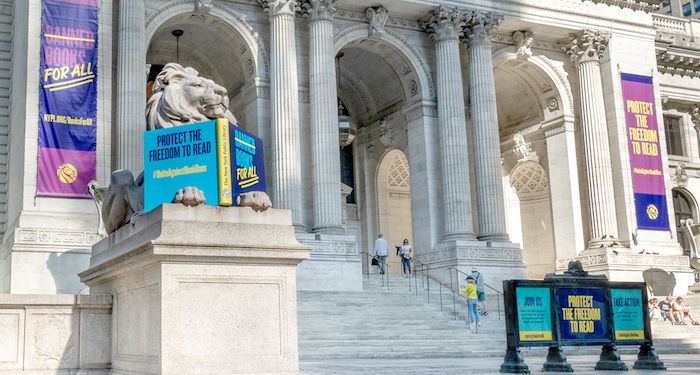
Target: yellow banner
<point>535,335</point>
<point>629,335</point>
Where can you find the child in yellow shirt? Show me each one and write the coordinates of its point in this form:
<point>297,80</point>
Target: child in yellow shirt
<point>472,300</point>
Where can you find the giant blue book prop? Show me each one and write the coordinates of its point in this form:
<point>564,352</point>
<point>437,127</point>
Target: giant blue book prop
<point>220,159</point>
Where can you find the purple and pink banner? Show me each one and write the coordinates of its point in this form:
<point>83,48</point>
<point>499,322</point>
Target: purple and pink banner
<point>68,98</point>
<point>645,152</point>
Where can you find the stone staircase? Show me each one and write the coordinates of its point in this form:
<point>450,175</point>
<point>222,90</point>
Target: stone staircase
<point>399,323</point>
<point>394,324</point>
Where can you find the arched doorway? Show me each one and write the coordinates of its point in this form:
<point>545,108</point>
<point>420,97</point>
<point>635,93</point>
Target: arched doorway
<point>378,101</point>
<point>394,200</point>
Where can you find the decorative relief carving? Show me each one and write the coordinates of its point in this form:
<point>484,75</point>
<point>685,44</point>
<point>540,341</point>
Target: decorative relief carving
<point>377,17</point>
<point>54,339</point>
<point>56,238</point>
<point>552,104</point>
<point>679,178</point>
<point>399,175</point>
<point>589,45</point>
<point>333,248</point>
<point>202,6</point>
<point>523,42</point>
<point>628,259</point>
<point>695,116</point>
<point>318,9</point>
<point>481,26</point>
<point>445,23</point>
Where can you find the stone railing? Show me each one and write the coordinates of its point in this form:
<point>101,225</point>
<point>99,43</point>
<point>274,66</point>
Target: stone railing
<point>670,24</point>
<point>48,333</point>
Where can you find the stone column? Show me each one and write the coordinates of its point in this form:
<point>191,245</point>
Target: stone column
<point>131,85</point>
<point>284,100</point>
<point>445,26</point>
<point>585,50</point>
<point>487,148</point>
<point>325,165</point>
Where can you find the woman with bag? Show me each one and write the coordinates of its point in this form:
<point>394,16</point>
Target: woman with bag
<point>405,254</point>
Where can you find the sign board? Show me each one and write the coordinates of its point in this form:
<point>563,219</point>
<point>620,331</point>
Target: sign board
<point>220,159</point>
<point>543,313</point>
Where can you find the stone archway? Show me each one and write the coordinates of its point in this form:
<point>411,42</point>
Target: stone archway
<point>394,203</point>
<point>377,100</point>
<point>535,114</point>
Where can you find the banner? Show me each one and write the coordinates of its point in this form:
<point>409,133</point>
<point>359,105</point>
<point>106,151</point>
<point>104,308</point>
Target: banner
<point>582,314</point>
<point>628,314</point>
<point>534,314</point>
<point>645,152</point>
<point>67,97</point>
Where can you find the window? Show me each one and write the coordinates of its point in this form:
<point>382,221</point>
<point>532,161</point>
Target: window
<point>686,9</point>
<point>683,208</point>
<point>697,6</point>
<point>674,144</point>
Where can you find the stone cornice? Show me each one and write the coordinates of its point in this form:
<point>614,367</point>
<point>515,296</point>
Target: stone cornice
<point>678,62</point>
<point>589,45</point>
<point>645,6</point>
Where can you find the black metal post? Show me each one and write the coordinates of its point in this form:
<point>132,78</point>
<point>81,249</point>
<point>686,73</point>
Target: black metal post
<point>556,361</point>
<point>610,359</point>
<point>647,358</point>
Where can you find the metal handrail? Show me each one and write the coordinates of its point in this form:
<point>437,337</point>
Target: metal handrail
<point>385,275</point>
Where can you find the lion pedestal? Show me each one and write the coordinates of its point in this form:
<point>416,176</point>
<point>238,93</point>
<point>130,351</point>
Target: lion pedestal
<point>201,290</point>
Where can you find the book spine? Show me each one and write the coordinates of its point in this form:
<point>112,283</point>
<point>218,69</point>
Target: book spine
<point>223,157</point>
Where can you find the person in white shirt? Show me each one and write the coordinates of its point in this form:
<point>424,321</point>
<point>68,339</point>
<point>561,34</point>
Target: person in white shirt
<point>381,251</point>
<point>405,254</point>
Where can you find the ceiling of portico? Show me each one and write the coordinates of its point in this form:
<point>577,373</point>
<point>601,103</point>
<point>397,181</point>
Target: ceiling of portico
<point>206,45</point>
<point>522,94</point>
<point>370,82</point>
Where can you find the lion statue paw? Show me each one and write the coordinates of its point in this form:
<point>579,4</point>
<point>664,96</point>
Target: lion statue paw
<point>190,196</point>
<point>257,200</point>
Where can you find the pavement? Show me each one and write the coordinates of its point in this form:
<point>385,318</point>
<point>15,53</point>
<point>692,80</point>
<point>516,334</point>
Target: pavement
<point>583,364</point>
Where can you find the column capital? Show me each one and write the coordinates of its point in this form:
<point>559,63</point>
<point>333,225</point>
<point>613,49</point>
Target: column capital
<point>279,7</point>
<point>480,27</point>
<point>445,23</point>
<point>318,10</point>
<point>589,45</point>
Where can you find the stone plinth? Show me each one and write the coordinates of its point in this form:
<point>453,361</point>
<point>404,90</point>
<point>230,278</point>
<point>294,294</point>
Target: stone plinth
<point>205,290</point>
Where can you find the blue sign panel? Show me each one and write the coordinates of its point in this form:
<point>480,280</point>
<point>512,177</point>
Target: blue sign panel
<point>248,162</point>
<point>582,314</point>
<point>628,314</point>
<point>178,157</point>
<point>534,314</point>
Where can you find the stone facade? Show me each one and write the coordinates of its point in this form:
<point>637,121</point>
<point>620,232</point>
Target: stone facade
<point>448,86</point>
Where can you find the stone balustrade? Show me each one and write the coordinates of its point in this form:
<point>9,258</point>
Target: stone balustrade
<point>48,333</point>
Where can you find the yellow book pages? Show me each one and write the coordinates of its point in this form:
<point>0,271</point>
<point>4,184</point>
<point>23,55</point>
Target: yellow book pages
<point>223,153</point>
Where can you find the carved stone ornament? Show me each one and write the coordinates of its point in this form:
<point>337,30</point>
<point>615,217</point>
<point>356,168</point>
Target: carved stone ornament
<point>376,18</point>
<point>522,149</point>
<point>695,116</point>
<point>445,23</point>
<point>318,9</point>
<point>480,28</point>
<point>523,41</point>
<point>203,6</point>
<point>589,45</point>
<point>278,7</point>
<point>680,176</point>
<point>180,96</point>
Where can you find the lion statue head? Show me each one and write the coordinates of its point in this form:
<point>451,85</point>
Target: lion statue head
<point>181,96</point>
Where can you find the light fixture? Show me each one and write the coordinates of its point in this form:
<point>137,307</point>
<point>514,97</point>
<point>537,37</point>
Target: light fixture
<point>177,33</point>
<point>346,127</point>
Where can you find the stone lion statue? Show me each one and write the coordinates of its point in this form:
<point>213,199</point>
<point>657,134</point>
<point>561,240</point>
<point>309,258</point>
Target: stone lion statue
<point>180,96</point>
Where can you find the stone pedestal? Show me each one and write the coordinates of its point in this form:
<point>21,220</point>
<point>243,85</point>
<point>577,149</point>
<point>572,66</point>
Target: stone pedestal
<point>204,290</point>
